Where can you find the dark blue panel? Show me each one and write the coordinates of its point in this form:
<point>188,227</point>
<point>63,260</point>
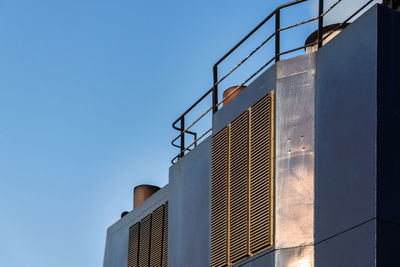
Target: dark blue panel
<point>353,248</point>
<point>388,236</point>
<point>345,114</point>
<point>388,171</point>
<point>262,260</point>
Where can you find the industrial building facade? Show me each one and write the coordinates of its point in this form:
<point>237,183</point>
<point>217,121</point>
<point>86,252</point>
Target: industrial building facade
<point>301,168</point>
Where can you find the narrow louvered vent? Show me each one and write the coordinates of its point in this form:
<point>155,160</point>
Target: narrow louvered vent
<point>144,244</point>
<point>261,174</point>
<point>165,237</point>
<point>133,247</point>
<point>157,236</point>
<point>219,198</point>
<point>241,185</point>
<point>148,240</point>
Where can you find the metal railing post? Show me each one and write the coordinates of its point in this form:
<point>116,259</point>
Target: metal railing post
<point>182,137</point>
<point>215,89</point>
<point>277,34</point>
<point>320,22</point>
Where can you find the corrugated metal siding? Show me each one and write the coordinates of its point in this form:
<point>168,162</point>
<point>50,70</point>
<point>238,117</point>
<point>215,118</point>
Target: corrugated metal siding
<point>261,175</point>
<point>133,246</point>
<point>219,199</point>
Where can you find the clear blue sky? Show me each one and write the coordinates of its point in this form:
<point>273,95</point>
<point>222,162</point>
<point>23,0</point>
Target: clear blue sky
<point>88,91</point>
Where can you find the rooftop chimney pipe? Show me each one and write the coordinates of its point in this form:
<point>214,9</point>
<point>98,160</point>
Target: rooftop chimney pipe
<point>232,96</point>
<point>143,192</point>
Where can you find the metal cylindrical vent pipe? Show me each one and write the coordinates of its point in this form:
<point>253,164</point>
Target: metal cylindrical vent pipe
<point>232,96</point>
<point>143,192</point>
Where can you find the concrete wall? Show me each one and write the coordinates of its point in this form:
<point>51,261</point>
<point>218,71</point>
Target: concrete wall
<point>116,251</point>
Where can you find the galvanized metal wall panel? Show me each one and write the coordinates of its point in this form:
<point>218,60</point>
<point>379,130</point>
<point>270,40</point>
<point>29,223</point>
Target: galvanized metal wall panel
<point>190,208</point>
<point>294,180</point>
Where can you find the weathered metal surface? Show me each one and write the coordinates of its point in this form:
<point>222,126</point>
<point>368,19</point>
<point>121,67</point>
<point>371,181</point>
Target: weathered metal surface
<point>294,180</point>
<point>189,208</point>
<point>295,257</point>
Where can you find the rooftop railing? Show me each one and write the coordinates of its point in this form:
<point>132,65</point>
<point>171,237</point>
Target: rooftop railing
<point>180,123</point>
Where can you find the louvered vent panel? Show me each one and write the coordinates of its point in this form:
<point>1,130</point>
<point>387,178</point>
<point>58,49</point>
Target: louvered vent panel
<point>238,188</point>
<point>165,237</point>
<point>133,245</point>
<point>261,174</point>
<point>219,198</point>
<point>144,241</point>
<point>157,236</point>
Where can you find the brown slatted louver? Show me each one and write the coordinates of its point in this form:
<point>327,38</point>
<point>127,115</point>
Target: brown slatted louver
<point>239,187</point>
<point>144,241</point>
<point>157,236</point>
<point>219,198</point>
<point>242,185</point>
<point>148,240</point>
<point>261,175</point>
<point>165,237</point>
<point>133,246</point>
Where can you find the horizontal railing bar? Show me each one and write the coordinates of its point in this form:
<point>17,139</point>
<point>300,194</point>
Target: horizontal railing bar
<point>191,107</point>
<point>298,24</point>
<point>251,77</point>
<point>193,123</point>
<point>298,48</point>
<point>269,62</point>
<point>189,132</point>
<point>332,7</point>
<point>229,52</point>
<point>256,28</point>
<point>245,59</point>
<point>276,57</point>
<point>272,35</point>
<point>219,103</point>
<point>347,20</point>
<point>195,141</point>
